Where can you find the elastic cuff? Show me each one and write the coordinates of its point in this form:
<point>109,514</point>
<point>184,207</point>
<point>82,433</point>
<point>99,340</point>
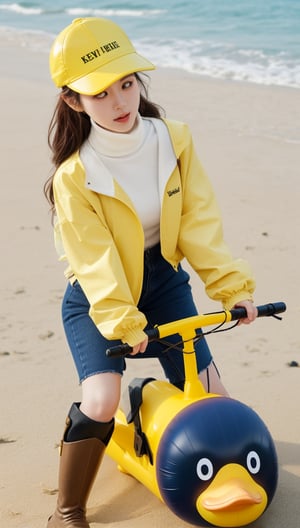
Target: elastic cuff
<point>134,337</point>
<point>236,298</point>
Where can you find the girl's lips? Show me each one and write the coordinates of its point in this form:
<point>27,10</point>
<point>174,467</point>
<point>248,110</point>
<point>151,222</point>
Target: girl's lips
<point>123,119</point>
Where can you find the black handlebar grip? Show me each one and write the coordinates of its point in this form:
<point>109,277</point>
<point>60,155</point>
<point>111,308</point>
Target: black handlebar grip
<point>265,310</point>
<point>124,348</point>
<point>152,334</point>
<point>118,350</point>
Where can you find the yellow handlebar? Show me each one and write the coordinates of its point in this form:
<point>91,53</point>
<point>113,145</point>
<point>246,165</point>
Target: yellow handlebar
<point>187,327</point>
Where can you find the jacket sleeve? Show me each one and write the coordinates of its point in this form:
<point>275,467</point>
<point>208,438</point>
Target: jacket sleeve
<point>95,262</point>
<point>226,279</point>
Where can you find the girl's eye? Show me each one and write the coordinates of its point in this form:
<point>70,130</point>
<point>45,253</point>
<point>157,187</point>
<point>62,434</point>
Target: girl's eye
<point>101,95</point>
<point>127,84</point>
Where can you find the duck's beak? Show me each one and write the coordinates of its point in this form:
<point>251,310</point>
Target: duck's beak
<point>233,498</point>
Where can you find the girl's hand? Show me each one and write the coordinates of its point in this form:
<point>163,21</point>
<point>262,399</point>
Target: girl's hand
<point>141,347</point>
<point>251,311</point>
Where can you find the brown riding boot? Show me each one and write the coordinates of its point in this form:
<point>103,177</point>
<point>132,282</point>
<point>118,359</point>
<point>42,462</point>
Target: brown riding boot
<point>79,463</point>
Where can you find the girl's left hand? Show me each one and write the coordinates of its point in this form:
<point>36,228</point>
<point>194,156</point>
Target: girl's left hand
<point>140,348</point>
<point>251,311</point>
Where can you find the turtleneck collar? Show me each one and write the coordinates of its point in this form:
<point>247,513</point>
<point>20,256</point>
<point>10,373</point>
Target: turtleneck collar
<point>113,144</point>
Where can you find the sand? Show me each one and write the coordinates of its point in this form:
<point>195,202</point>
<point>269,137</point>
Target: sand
<point>248,138</point>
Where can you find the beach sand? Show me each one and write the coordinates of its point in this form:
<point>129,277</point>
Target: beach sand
<point>248,139</point>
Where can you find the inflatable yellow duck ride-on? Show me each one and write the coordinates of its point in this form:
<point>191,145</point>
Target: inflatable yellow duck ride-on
<point>211,459</point>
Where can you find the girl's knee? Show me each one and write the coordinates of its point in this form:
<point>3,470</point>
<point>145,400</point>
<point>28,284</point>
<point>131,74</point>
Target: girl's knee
<point>101,396</point>
<point>99,411</point>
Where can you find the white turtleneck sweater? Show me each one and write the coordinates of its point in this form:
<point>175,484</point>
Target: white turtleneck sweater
<point>132,160</point>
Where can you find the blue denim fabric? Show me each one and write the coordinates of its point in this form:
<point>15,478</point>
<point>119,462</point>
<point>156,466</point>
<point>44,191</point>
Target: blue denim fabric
<point>166,296</point>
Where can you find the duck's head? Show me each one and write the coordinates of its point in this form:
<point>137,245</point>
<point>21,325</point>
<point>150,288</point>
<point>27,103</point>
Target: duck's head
<point>216,464</point>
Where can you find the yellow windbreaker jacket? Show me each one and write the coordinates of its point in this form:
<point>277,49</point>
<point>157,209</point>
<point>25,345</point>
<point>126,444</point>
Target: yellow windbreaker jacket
<point>103,240</point>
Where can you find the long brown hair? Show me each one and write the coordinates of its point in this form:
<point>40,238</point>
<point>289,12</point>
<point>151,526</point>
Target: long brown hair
<point>68,129</point>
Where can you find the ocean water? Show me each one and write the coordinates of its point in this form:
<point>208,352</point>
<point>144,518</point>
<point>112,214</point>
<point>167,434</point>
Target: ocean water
<point>241,40</point>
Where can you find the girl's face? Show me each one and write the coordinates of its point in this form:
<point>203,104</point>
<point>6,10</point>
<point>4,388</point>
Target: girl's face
<point>116,108</point>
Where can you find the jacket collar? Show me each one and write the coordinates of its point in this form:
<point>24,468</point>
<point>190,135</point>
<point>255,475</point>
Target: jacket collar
<point>100,179</point>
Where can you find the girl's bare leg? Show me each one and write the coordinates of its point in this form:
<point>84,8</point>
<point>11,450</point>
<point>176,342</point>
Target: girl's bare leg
<point>212,381</point>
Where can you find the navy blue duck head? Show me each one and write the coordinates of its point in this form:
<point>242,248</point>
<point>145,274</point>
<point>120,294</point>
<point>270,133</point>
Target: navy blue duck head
<point>216,464</point>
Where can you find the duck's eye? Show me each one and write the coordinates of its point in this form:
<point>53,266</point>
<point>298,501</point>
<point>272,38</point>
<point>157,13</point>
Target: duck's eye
<point>253,462</point>
<point>205,469</point>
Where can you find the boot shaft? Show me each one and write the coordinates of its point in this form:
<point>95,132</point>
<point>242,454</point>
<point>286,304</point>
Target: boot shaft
<point>79,463</point>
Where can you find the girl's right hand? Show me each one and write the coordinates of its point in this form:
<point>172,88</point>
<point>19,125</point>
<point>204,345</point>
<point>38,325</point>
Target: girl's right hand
<point>140,348</point>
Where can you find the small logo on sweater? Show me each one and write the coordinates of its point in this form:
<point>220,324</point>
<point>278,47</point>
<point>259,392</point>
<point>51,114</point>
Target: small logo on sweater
<point>173,191</point>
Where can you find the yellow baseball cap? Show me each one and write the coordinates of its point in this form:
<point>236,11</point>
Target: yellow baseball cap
<point>91,54</point>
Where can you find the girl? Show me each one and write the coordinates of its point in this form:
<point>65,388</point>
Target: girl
<point>131,201</point>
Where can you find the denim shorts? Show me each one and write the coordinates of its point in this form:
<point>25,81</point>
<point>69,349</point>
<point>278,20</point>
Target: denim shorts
<point>166,296</point>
